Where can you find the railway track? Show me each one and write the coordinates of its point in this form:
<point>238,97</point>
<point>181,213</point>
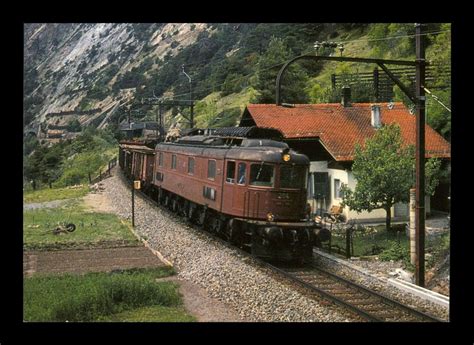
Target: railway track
<point>367,304</point>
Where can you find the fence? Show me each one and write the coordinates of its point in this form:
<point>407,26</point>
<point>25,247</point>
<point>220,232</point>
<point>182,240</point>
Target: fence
<point>356,240</point>
<point>112,163</point>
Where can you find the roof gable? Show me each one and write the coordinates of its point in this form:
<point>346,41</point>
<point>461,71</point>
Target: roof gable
<point>340,128</point>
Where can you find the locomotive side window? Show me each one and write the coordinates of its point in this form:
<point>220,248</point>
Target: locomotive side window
<point>230,177</point>
<point>262,175</point>
<point>241,174</point>
<point>173,162</point>
<point>160,159</point>
<point>211,169</point>
<point>191,165</point>
<point>293,176</point>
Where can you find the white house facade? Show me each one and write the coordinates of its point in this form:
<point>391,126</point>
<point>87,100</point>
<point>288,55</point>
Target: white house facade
<point>328,133</point>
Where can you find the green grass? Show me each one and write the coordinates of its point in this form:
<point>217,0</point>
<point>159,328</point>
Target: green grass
<point>49,194</point>
<point>93,229</point>
<point>131,295</point>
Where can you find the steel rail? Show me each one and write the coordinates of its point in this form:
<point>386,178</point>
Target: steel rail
<point>288,275</point>
<point>382,298</point>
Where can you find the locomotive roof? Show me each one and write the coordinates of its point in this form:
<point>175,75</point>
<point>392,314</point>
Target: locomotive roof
<point>249,149</point>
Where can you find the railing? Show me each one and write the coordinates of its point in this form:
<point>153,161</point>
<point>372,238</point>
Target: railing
<point>104,174</point>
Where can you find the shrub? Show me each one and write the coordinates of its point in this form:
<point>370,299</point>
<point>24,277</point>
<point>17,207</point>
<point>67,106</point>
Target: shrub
<point>395,252</point>
<point>87,298</point>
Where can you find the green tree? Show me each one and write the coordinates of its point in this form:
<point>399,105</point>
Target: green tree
<point>74,126</point>
<point>439,54</point>
<point>294,81</point>
<point>384,170</point>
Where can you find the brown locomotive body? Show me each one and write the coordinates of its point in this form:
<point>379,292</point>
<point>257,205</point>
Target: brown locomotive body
<point>250,191</point>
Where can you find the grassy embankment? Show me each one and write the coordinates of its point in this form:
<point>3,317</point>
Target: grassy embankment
<point>93,229</point>
<point>50,194</point>
<point>131,295</point>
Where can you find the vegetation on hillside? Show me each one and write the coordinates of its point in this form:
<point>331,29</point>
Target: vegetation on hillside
<point>68,162</point>
<point>228,58</point>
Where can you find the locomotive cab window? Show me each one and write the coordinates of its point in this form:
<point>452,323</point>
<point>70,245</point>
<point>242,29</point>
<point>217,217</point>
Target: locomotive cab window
<point>173,162</point>
<point>293,176</point>
<point>191,165</point>
<point>241,173</point>
<point>262,175</point>
<point>211,169</point>
<point>230,176</point>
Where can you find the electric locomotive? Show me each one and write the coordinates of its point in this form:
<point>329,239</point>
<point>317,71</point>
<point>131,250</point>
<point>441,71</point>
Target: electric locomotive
<point>241,183</point>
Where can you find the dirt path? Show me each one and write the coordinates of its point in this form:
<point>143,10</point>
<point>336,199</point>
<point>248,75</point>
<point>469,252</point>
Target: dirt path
<point>98,202</point>
<point>198,303</point>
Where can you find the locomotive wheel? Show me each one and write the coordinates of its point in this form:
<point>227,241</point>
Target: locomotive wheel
<point>230,231</point>
<point>174,205</point>
<point>191,212</point>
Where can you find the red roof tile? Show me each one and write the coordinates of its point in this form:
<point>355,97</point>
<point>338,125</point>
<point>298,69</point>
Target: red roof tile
<point>340,128</point>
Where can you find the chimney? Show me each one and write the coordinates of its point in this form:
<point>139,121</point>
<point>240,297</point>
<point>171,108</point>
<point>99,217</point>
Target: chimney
<point>346,96</point>
<point>376,119</point>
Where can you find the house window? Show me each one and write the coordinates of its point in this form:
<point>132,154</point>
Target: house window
<point>173,162</point>
<point>230,176</point>
<point>321,185</point>
<point>211,169</point>
<point>191,165</point>
<point>337,189</point>
<point>160,159</point>
<point>241,173</point>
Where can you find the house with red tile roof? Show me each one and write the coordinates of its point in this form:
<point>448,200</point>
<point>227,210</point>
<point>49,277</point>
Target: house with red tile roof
<point>328,133</point>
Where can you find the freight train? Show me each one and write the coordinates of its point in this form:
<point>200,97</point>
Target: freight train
<point>241,183</point>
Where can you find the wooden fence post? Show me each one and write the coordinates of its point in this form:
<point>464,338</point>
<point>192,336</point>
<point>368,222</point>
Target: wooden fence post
<point>90,179</point>
<point>348,242</point>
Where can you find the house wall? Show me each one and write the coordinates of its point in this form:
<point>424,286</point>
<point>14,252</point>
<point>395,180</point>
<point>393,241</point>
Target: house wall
<point>399,212</point>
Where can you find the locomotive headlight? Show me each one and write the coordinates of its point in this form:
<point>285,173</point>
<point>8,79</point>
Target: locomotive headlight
<point>270,217</point>
<point>286,157</point>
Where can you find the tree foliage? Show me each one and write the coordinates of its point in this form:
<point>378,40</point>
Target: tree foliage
<point>384,170</point>
<point>69,162</point>
<point>294,79</point>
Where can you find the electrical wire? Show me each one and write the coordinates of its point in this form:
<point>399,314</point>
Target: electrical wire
<point>436,98</point>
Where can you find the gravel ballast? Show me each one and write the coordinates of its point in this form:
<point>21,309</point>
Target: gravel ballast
<point>234,279</point>
<point>378,284</point>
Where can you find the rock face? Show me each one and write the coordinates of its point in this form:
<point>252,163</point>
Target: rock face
<point>63,62</point>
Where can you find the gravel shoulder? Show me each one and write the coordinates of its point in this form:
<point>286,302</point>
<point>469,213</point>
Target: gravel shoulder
<point>221,272</point>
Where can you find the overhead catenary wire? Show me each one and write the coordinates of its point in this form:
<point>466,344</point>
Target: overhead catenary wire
<point>436,98</point>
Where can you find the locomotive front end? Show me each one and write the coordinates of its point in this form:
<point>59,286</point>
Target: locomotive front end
<point>277,194</point>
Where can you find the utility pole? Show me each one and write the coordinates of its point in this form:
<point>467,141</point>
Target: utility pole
<point>420,158</point>
<point>191,120</point>
<point>133,204</point>
<point>418,98</point>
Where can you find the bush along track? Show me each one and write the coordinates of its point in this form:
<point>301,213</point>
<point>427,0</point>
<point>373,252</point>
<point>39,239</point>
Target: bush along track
<point>115,296</point>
